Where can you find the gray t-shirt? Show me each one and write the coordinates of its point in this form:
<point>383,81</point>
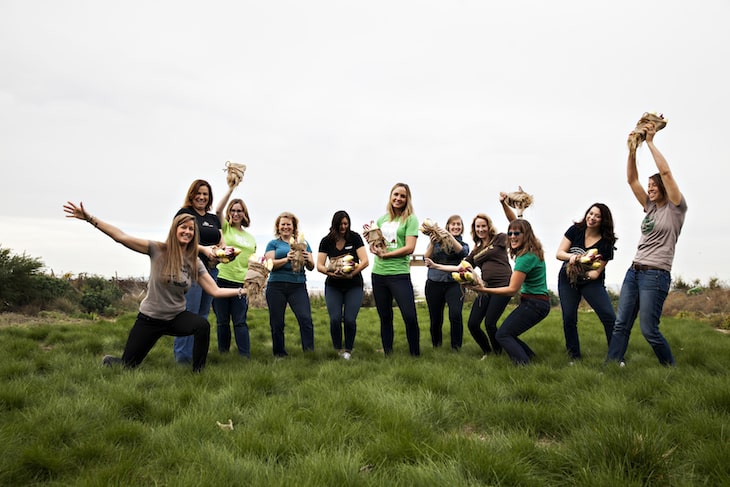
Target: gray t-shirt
<point>659,233</point>
<point>166,298</point>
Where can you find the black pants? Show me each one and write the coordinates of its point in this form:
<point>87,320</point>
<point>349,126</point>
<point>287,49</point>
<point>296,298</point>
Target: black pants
<point>146,331</point>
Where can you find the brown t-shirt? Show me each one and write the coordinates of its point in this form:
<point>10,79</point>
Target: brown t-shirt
<point>493,262</point>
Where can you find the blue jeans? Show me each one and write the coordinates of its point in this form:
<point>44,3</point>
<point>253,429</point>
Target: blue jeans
<point>643,294</point>
<point>343,304</point>
<point>278,294</point>
<point>232,309</point>
<point>197,302</point>
<point>438,295</point>
<point>487,307</point>
<point>595,294</point>
<point>528,314</point>
<point>400,288</point>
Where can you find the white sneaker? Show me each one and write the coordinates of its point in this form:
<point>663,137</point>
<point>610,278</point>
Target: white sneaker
<point>622,364</point>
<point>346,355</point>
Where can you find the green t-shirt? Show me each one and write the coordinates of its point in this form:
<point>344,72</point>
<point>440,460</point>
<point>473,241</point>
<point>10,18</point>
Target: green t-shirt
<point>535,274</point>
<point>235,271</point>
<point>395,233</point>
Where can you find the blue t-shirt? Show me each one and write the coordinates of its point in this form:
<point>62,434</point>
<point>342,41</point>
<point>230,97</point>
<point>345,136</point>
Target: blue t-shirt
<point>285,273</point>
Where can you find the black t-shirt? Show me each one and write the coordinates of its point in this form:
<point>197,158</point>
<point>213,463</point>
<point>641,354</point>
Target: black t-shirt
<point>577,239</point>
<point>353,241</point>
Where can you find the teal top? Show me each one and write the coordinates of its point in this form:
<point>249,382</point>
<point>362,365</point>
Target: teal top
<point>535,274</point>
<point>395,233</point>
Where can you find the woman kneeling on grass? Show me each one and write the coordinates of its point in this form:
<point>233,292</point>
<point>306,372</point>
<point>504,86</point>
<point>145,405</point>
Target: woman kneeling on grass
<point>529,278</point>
<point>174,266</point>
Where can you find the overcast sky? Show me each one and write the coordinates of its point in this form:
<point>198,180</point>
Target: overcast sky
<point>123,104</point>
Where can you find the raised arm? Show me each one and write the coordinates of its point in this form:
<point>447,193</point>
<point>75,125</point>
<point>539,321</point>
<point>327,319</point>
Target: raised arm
<point>508,211</point>
<point>632,177</point>
<point>137,244</point>
<point>221,208</point>
<point>670,184</point>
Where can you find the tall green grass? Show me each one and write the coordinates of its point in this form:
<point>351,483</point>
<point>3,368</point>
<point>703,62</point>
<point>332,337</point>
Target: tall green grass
<point>444,418</point>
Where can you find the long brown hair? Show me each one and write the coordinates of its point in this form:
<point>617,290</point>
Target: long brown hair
<point>530,242</point>
<point>407,211</point>
<point>175,255</point>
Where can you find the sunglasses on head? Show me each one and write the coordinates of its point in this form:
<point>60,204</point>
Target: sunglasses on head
<point>516,234</point>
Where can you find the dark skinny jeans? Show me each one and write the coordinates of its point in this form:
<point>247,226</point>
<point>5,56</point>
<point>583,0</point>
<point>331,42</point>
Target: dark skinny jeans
<point>400,288</point>
<point>438,295</point>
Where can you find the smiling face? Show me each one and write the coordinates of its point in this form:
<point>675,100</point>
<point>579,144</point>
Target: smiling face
<point>481,229</point>
<point>236,214</point>
<point>655,191</point>
<point>286,228</point>
<point>399,198</point>
<point>516,238</point>
<point>455,226</point>
<point>185,232</point>
<point>593,218</point>
<point>201,198</point>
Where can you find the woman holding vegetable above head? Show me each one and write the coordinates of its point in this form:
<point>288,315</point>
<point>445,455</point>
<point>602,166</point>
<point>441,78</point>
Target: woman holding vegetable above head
<point>174,266</point>
<point>529,279</point>
<point>490,256</point>
<point>391,274</point>
<point>441,289</point>
<point>232,275</point>
<point>343,288</point>
<point>647,281</point>
<point>290,255</point>
<point>198,202</point>
<point>585,249</point>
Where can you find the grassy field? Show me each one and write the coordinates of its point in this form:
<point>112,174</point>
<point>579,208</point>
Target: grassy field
<point>443,419</point>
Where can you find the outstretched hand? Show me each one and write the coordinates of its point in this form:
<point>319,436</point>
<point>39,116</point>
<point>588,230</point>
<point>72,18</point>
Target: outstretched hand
<point>649,132</point>
<point>75,211</point>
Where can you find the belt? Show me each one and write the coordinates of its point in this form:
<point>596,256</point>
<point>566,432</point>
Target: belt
<point>541,297</point>
<point>642,267</point>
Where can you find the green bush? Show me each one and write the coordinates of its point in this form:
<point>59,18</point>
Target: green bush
<point>99,295</point>
<point>17,273</point>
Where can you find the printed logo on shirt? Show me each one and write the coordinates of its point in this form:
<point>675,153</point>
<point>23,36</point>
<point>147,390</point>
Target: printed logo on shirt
<point>647,225</point>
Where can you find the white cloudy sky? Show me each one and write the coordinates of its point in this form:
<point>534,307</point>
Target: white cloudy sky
<point>123,104</point>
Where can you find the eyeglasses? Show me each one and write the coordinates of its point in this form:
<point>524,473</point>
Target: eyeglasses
<point>516,234</point>
<point>236,211</point>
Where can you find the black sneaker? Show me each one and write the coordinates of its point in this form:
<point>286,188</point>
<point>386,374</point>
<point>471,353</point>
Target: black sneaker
<point>109,360</point>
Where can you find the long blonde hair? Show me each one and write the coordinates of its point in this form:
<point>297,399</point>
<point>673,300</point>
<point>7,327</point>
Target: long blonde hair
<point>175,255</point>
<point>407,211</point>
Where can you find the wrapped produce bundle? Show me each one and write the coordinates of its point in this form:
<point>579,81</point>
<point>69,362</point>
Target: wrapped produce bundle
<point>519,200</point>
<point>438,235</point>
<point>226,254</point>
<point>235,173</point>
<point>343,264</point>
<point>374,236</point>
<point>298,246</point>
<point>638,135</point>
<point>255,282</point>
<point>577,271</point>
<point>465,275</point>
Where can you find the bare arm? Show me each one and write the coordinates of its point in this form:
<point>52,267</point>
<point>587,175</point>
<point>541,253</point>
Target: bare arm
<point>563,249</point>
<point>441,267</point>
<point>632,177</point>
<point>362,254</point>
<point>222,205</point>
<point>670,184</point>
<point>137,244</point>
<point>508,212</point>
<point>212,289</point>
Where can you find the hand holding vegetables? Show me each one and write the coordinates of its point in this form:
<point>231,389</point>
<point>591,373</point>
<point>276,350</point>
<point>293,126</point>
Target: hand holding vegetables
<point>226,254</point>
<point>374,237</point>
<point>343,265</point>
<point>579,268</point>
<point>438,235</point>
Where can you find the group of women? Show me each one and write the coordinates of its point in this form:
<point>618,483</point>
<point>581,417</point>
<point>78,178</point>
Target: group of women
<point>186,277</point>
